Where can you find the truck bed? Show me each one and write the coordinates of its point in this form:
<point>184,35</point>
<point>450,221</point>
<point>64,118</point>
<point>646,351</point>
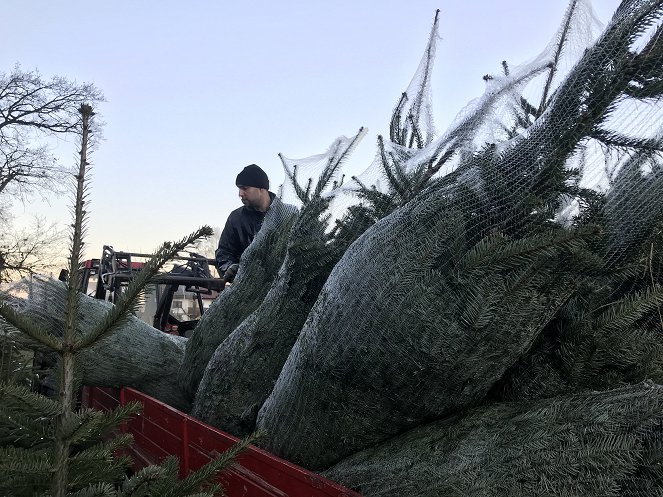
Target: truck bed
<point>161,431</point>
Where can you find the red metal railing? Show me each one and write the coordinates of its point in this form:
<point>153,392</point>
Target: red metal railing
<point>161,431</point>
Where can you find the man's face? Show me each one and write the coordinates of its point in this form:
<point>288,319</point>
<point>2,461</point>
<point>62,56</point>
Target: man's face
<point>250,196</point>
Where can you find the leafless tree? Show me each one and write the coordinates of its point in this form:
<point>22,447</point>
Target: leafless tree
<point>36,248</point>
<point>33,110</point>
<point>25,170</point>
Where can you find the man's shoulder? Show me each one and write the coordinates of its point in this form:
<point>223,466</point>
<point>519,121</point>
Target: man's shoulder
<point>245,214</point>
<point>235,218</point>
<point>240,212</point>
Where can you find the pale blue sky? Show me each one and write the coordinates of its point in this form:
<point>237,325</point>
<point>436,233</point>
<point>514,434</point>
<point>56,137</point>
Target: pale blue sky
<point>197,90</point>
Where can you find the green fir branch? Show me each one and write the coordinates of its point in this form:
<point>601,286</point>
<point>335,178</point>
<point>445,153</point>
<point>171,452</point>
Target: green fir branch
<point>27,417</point>
<point>415,136</point>
<point>302,194</point>
<point>390,170</point>
<point>96,490</point>
<point>24,462</point>
<point>614,139</point>
<point>626,312</point>
<point>93,423</point>
<point>336,160</point>
<point>140,483</point>
<point>168,478</point>
<point>395,131</point>
<point>646,18</point>
<point>428,71</point>
<point>497,249</point>
<point>72,300</point>
<point>104,451</point>
<point>644,90</point>
<point>24,430</point>
<point>406,179</point>
<point>561,43</point>
<point>440,161</point>
<point>222,462</point>
<point>25,399</point>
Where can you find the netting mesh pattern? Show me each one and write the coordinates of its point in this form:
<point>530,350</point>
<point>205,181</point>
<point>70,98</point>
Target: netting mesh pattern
<point>563,446</point>
<point>433,303</point>
<point>150,366</point>
<point>258,267</point>
<point>386,343</point>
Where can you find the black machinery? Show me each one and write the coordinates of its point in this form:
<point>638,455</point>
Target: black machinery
<point>116,269</point>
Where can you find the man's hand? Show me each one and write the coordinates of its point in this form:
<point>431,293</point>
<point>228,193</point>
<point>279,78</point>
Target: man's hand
<point>230,273</point>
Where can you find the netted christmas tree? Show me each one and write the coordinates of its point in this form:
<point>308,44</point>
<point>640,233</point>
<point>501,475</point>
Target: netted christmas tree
<point>479,312</point>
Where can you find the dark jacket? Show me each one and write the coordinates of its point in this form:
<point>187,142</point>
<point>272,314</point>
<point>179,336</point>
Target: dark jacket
<point>240,230</point>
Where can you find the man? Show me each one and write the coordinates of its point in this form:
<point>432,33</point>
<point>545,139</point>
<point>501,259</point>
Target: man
<point>243,223</point>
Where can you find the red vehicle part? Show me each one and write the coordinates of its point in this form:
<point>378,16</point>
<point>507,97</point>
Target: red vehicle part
<point>161,431</point>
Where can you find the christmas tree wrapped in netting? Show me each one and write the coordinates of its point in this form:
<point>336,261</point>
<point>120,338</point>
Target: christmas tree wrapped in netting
<point>523,264</point>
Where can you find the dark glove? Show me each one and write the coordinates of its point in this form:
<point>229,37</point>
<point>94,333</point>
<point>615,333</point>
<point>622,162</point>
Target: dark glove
<point>230,273</point>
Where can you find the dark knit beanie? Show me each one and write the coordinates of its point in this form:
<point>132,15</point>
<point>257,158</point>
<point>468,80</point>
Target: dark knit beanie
<point>252,175</point>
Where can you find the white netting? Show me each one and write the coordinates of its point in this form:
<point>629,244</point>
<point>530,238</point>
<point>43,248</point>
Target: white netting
<point>408,326</point>
<point>304,177</point>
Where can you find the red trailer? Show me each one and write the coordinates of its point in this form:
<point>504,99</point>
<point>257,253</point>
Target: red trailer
<point>161,431</point>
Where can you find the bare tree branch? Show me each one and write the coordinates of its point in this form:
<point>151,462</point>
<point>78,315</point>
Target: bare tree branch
<point>34,249</point>
<point>32,110</point>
